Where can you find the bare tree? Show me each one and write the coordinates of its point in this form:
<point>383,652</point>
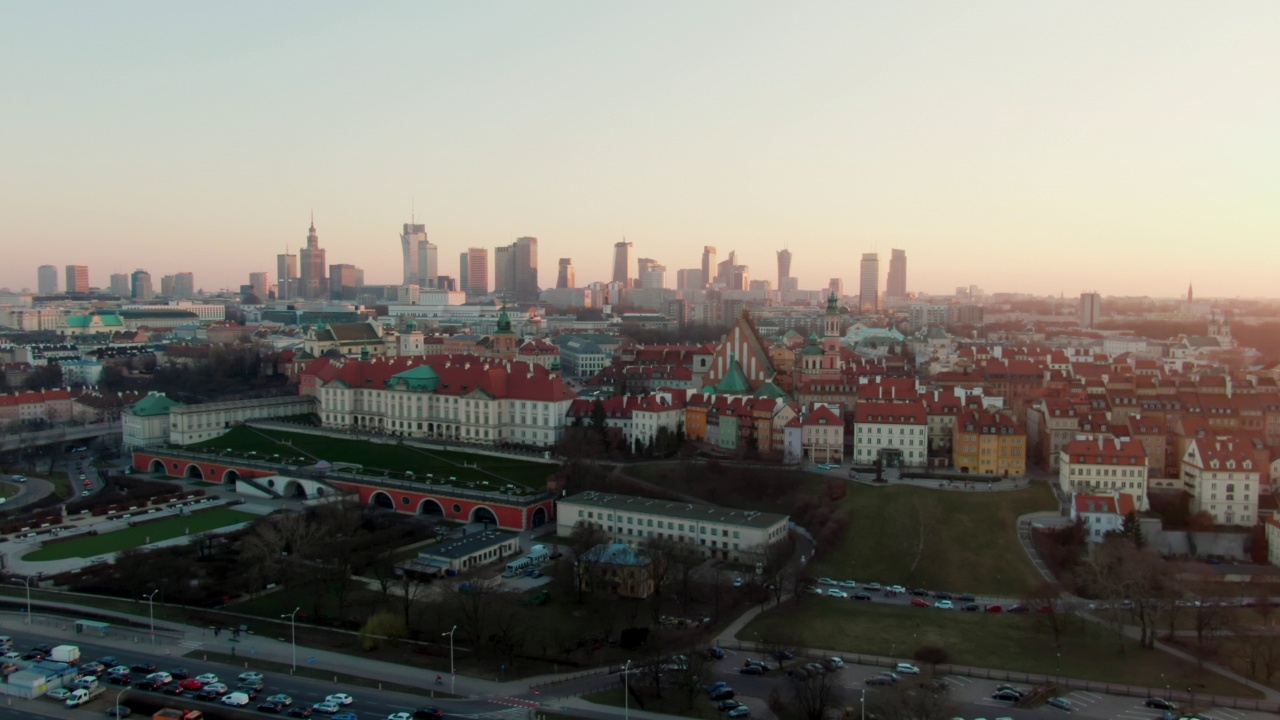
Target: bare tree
<point>689,678</point>
<point>911,702</point>
<point>1208,620</point>
<point>813,696</point>
<point>1052,612</point>
<point>661,556</point>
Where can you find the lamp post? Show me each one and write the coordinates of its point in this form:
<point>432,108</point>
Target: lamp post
<point>862,705</point>
<point>151,606</point>
<point>626,691</point>
<point>118,696</point>
<point>27,581</point>
<point>453,671</point>
<point>293,634</point>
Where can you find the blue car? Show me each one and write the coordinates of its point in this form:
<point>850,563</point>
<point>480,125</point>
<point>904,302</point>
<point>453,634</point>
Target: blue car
<point>715,653</point>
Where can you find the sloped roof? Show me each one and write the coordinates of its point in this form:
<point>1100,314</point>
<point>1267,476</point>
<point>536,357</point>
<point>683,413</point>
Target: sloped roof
<point>152,405</point>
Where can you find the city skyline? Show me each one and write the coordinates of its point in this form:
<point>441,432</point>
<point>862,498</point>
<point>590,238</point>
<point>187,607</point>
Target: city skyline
<point>1119,139</point>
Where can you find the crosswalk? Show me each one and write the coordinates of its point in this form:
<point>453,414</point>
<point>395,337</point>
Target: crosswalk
<point>192,644</point>
<point>1083,698</point>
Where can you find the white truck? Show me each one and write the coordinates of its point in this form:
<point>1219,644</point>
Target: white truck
<point>69,654</point>
<point>83,695</point>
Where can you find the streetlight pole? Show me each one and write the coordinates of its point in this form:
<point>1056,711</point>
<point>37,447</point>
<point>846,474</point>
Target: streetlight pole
<point>293,634</point>
<point>118,696</point>
<point>626,691</point>
<point>27,581</point>
<point>151,605</point>
<point>453,670</point>
<point>862,705</point>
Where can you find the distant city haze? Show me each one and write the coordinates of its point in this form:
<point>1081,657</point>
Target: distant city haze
<point>1124,148</point>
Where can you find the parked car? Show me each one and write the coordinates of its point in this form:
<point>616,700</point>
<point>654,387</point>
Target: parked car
<point>302,711</point>
<point>895,589</point>
<point>1007,696</point>
<point>783,655</point>
<point>971,607</point>
<point>944,605</point>
<point>893,676</point>
<point>1160,704</point>
<point>942,596</point>
<point>919,602</point>
<point>862,596</point>
<point>921,592</point>
<point>715,653</point>
<point>1059,702</point>
<point>60,694</point>
<point>848,584</point>
<point>119,679</point>
<point>718,685</point>
<point>119,711</point>
<point>906,669</point>
<point>430,712</point>
<point>143,667</point>
<point>723,694</point>
<point>838,662</point>
<point>724,705</point>
<point>740,712</point>
<point>760,664</point>
<point>837,593</point>
<point>1018,609</point>
<point>995,608</point>
<point>750,670</point>
<point>270,707</point>
<point>826,581</point>
<point>879,680</point>
<point>235,699</point>
<point>873,587</point>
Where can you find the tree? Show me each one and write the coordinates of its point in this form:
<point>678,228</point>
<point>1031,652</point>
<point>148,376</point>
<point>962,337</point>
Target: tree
<point>1057,617</point>
<point>598,418</point>
<point>912,702</point>
<point>932,656</point>
<point>381,626</point>
<point>1127,577</point>
<point>1132,529</point>
<point>813,696</point>
<point>587,568</point>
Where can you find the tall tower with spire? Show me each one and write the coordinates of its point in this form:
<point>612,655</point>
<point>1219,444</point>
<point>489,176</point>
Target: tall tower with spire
<point>312,282</point>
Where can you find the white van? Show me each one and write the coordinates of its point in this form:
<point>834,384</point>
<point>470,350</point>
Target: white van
<point>6,643</point>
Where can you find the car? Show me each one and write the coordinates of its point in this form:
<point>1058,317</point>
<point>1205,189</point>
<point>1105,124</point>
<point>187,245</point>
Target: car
<point>873,587</point>
<point>271,707</point>
<point>906,669</point>
<point>94,668</point>
<point>254,684</point>
<point>119,679</point>
<point>118,670</point>
<point>217,687</point>
<point>837,593</point>
<point>1160,704</point>
<point>327,708</point>
<point>737,581</point>
<point>235,699</point>
<point>1045,609</point>
<point>161,677</point>
<point>281,698</point>
<point>1007,696</point>
<point>402,715</point>
<point>1059,702</point>
<point>1011,688</point>
<point>751,670</point>
<point>207,678</point>
<point>180,673</point>
<point>430,712</point>
<point>760,664</point>
<point>838,662</point>
<point>895,589</point>
<point>942,596</point>
<point>848,584</point>
<point>20,478</point>
<point>248,689</point>
<point>143,667</point>
<point>893,676</point>
<point>58,694</point>
<point>862,596</point>
<point>740,712</point>
<point>879,680</point>
<point>966,597</point>
<point>783,655</point>
<point>87,483</point>
<point>1018,609</point>
<point>715,653</point>
<point>303,711</point>
<point>827,581</point>
<point>208,694</point>
<point>119,711</point>
<point>108,661</point>
<point>971,607</point>
<point>944,605</point>
<point>815,669</point>
<point>919,602</point>
<point>85,493</point>
<point>192,684</point>
<point>724,705</point>
<point>340,699</point>
<point>82,476</point>
<point>35,655</point>
<point>149,684</point>
<point>723,694</point>
<point>814,590</point>
<point>995,608</point>
<point>172,689</point>
<point>921,592</point>
<point>250,676</point>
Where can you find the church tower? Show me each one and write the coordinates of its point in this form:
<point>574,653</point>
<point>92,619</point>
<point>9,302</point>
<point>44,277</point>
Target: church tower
<point>411,344</point>
<point>504,338</point>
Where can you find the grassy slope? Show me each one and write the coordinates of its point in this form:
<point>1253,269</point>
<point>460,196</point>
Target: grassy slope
<point>91,545</point>
<point>1002,641</point>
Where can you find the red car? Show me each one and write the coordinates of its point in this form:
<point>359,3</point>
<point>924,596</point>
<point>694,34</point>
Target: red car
<point>191,684</point>
<point>994,608</point>
<point>1046,609</point>
<point>918,602</point>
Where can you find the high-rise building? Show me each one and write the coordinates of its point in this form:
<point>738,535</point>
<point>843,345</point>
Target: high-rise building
<point>869,283</point>
<point>286,276</point>
<point>1090,309</point>
<point>312,283</point>
<point>77,278</point>
<point>345,281</point>
<point>730,275</point>
<point>708,264</point>
<point>261,284</point>
<point>690,279</point>
<point>784,268</point>
<point>653,276</point>
<point>47,280</point>
<point>896,285</point>
<point>473,271</point>
<point>428,265</point>
<point>504,270</point>
<point>184,286</point>
<point>621,262</point>
<point>120,285</point>
<point>411,240</point>
<point>565,278</point>
<point>642,266</point>
<point>836,286</point>
<point>526,271</point>
<point>140,285</point>
<point>790,284</point>
<point>166,286</point>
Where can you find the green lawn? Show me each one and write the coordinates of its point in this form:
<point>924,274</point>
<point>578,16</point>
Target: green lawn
<point>92,545</point>
<point>998,641</point>
<point>302,447</point>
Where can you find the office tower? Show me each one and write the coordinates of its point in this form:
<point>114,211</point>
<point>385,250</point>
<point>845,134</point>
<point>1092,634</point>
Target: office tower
<point>120,285</point>
<point>642,266</point>
<point>47,280</point>
<point>760,286</point>
<point>621,262</point>
<point>690,279</point>
<point>708,264</point>
<point>784,268</point>
<point>473,271</point>
<point>504,270</point>
<point>428,266</point>
<point>77,278</point>
<point>738,278</point>
<point>345,281</point>
<point>411,244</point>
<point>869,283</point>
<point>836,286</point>
<point>184,286</point>
<point>286,276</point>
<point>166,286</point>
<point>140,285</point>
<point>653,276</point>
<point>1090,309</point>
<point>724,269</point>
<point>526,270</point>
<point>565,279</point>
<point>260,284</point>
<point>896,286</point>
<point>312,283</point>
<point>790,284</point>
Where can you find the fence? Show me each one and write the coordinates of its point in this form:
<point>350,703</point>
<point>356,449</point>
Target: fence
<point>128,634</point>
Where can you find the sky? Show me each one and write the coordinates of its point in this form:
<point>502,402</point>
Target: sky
<point>1125,148</point>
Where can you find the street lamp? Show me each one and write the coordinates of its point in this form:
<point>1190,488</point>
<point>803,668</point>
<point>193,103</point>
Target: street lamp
<point>862,705</point>
<point>118,696</point>
<point>453,671</point>
<point>626,691</point>
<point>27,581</point>
<point>151,605</point>
<point>293,634</point>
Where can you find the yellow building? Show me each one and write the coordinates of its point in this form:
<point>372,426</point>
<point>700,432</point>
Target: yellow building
<point>617,568</point>
<point>988,443</point>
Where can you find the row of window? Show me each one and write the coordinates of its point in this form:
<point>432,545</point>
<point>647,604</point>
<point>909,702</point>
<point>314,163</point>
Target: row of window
<point>649,522</point>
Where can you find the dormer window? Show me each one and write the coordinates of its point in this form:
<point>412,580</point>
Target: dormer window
<point>1213,464</point>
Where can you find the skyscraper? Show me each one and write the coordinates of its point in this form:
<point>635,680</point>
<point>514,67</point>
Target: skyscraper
<point>140,285</point>
<point>47,280</point>
<point>653,276</point>
<point>344,281</point>
<point>286,275</point>
<point>690,279</point>
<point>166,286</point>
<point>869,283</point>
<point>526,272</point>
<point>621,262</point>
<point>504,270</point>
<point>259,282</point>
<point>411,244</point>
<point>77,278</point>
<point>836,286</point>
<point>473,271</point>
<point>312,283</point>
<point>428,266</point>
<point>784,268</point>
<point>1090,309</point>
<point>565,279</point>
<point>708,264</point>
<point>184,286</point>
<point>120,285</point>
<point>642,267</point>
<point>896,286</point>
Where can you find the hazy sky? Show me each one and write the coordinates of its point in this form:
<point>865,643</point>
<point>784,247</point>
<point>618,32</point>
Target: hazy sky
<point>1125,147</point>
